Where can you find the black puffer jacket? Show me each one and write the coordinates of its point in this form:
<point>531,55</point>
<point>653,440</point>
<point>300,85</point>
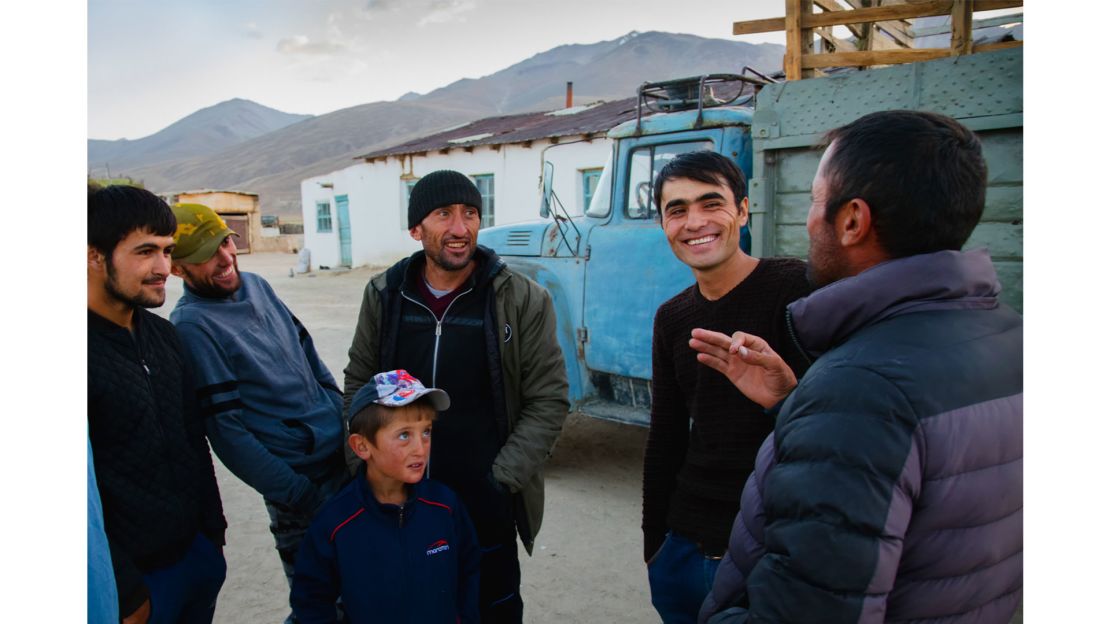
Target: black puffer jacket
<point>152,461</point>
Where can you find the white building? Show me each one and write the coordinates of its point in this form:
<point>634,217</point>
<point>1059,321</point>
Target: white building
<point>359,215</point>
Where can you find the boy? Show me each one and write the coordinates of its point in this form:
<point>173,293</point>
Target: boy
<point>394,546</point>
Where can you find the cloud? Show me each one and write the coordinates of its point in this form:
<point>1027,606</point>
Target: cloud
<point>380,5</point>
<point>301,44</point>
<point>252,31</point>
<point>443,11</point>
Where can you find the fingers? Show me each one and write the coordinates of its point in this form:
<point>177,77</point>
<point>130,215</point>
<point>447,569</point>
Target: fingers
<point>711,337</point>
<point>741,342</point>
<point>715,363</point>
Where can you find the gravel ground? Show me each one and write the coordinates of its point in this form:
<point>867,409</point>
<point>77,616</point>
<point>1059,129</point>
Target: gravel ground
<point>587,564</point>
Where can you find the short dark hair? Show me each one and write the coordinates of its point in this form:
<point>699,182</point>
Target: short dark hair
<point>922,174</point>
<point>374,416</point>
<point>116,211</point>
<point>703,166</point>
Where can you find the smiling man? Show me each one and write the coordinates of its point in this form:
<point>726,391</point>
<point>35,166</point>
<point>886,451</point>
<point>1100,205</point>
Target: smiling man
<point>454,315</point>
<point>273,410</point>
<point>162,512</point>
<point>704,435</point>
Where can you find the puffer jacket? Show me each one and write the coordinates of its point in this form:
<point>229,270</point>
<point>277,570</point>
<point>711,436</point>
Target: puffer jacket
<point>153,468</point>
<point>891,488</point>
<point>526,370</point>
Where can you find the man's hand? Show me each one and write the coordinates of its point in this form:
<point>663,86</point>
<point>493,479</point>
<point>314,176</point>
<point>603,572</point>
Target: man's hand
<point>140,615</point>
<point>748,362</point>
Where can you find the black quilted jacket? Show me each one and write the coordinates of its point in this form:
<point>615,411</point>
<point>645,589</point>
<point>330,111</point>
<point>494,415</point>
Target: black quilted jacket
<point>152,463</point>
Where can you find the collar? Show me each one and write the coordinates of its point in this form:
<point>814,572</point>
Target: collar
<point>939,280</point>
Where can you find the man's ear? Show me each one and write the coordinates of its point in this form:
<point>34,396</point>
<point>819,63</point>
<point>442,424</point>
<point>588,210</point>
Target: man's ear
<point>176,270</point>
<point>417,233</point>
<point>97,261</point>
<point>853,223</point>
<point>743,212</point>
<point>360,445</point>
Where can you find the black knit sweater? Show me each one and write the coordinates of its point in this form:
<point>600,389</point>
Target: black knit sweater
<point>693,474</point>
<point>153,467</point>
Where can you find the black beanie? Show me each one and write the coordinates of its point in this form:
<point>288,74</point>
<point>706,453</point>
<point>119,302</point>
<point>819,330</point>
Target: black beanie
<point>441,188</point>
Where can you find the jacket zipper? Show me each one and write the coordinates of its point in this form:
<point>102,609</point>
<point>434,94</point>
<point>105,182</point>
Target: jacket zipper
<point>435,351</point>
<point>439,328</point>
<point>794,337</point>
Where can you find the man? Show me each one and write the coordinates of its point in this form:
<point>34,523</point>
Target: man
<point>891,488</point>
<point>274,412</point>
<point>162,511</point>
<point>455,316</point>
<point>704,435</point>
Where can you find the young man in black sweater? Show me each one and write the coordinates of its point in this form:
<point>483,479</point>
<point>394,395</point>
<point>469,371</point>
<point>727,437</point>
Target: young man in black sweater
<point>704,434</point>
<point>162,511</point>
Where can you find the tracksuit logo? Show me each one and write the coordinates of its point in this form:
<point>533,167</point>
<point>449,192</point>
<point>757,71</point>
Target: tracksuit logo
<point>438,547</point>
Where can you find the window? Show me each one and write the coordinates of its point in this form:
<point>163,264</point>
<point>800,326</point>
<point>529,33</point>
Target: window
<point>485,187</point>
<point>323,217</point>
<point>645,164</point>
<point>590,178</point>
<point>406,191</point>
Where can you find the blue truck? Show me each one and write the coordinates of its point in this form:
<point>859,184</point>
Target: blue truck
<point>609,269</point>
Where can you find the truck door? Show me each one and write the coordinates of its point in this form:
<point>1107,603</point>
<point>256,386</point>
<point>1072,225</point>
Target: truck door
<point>631,269</point>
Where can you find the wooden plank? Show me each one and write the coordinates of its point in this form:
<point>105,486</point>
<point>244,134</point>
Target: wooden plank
<point>998,45</point>
<point>872,57</point>
<point>792,63</point>
<point>944,29</point>
<point>751,27</point>
<point>806,8</point>
<point>961,27</point>
<point>833,5</point>
<point>898,30</point>
<point>838,44</point>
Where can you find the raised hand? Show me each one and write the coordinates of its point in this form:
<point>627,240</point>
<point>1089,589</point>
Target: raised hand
<point>748,362</point>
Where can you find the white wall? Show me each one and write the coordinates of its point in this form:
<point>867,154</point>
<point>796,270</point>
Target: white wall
<point>375,194</point>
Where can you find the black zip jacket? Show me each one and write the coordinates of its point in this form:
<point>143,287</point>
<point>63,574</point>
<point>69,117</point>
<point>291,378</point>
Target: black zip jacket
<point>153,467</point>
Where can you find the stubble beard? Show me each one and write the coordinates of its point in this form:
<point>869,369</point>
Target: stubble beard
<point>443,261</point>
<point>139,300</point>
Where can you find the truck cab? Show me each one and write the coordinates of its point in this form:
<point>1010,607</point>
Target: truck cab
<point>610,269</point>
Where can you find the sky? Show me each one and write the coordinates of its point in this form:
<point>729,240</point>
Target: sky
<point>151,63</point>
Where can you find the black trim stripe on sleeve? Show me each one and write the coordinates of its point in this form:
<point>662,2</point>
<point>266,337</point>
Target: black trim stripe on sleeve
<point>208,392</point>
<point>224,406</point>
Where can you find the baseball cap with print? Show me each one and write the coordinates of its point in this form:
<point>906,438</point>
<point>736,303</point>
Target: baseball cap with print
<point>200,232</point>
<point>395,388</point>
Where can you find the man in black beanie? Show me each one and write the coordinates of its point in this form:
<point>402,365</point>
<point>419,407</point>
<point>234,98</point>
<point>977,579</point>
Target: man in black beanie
<point>455,316</point>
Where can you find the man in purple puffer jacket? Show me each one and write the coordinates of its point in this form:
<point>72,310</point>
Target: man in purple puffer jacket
<point>891,488</point>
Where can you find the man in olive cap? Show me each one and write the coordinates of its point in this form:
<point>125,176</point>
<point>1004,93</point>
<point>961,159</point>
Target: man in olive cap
<point>274,412</point>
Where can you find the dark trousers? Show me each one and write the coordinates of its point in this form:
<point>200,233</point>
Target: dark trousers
<point>288,526</point>
<point>185,592</point>
<point>680,577</point>
<point>491,509</point>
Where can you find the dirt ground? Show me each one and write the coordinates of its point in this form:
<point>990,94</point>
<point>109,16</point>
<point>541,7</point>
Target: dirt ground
<point>587,564</point>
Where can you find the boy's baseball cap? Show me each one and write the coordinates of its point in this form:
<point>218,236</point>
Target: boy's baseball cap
<point>395,388</point>
<point>200,232</point>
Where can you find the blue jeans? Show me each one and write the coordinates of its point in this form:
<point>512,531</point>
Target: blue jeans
<point>680,577</point>
<point>185,592</point>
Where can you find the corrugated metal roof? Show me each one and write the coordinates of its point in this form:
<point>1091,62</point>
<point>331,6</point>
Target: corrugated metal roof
<point>520,128</point>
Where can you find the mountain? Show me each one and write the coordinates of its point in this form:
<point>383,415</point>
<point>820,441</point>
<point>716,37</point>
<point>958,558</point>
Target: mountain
<point>206,131</point>
<point>607,70</point>
<point>274,163</point>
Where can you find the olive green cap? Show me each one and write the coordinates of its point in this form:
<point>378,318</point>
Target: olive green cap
<point>200,232</point>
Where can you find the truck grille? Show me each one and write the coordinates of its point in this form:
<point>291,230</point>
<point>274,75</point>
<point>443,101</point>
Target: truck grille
<point>519,238</point>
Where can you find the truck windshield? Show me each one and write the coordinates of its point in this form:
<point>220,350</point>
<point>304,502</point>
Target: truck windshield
<point>599,205</point>
<point>645,164</point>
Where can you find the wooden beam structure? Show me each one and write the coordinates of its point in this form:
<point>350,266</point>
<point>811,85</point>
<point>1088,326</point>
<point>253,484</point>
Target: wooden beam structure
<point>882,32</point>
<point>869,15</point>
